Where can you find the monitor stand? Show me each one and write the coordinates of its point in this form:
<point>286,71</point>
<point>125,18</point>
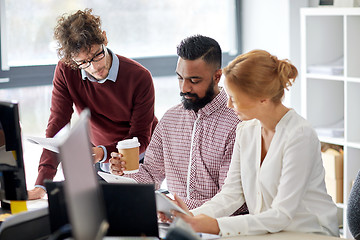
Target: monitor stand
<point>5,207</point>
<point>4,211</point>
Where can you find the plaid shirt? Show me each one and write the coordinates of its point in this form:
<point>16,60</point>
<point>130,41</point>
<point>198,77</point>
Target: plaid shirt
<point>191,150</point>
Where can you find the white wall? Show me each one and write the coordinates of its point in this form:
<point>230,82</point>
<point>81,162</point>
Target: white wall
<point>274,25</point>
<point>266,26</point>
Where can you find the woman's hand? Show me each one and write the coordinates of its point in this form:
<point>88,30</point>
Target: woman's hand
<point>163,218</point>
<point>200,223</point>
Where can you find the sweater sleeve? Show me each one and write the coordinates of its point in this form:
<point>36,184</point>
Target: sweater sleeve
<point>60,114</point>
<point>143,111</point>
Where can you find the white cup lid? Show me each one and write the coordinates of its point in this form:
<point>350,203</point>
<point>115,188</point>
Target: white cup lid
<point>128,143</point>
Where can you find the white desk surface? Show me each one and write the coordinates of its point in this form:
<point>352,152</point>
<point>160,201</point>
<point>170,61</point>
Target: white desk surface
<point>34,204</point>
<point>284,236</point>
<point>274,236</point>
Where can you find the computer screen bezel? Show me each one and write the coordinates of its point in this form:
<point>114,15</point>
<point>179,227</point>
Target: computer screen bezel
<point>13,180</point>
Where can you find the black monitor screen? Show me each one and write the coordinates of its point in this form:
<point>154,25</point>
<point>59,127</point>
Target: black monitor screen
<point>12,173</point>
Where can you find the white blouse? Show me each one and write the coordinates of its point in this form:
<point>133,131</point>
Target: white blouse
<point>286,193</point>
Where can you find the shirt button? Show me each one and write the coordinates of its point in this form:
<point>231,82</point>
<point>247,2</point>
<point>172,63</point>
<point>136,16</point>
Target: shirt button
<point>228,233</point>
<point>239,233</point>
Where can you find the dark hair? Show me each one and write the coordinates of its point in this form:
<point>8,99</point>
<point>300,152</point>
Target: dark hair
<point>199,46</point>
<point>77,32</point>
<point>260,74</point>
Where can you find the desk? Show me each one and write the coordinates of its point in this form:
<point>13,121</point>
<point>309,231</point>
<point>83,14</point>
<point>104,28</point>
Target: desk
<point>36,204</point>
<point>31,224</point>
<point>271,236</point>
<point>284,236</point>
<point>30,204</point>
<point>33,204</point>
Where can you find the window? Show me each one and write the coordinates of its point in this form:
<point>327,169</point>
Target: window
<point>147,31</point>
<point>34,108</point>
<point>136,28</point>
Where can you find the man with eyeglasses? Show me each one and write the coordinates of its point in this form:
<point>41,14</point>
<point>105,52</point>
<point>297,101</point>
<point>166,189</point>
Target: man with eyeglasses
<point>82,64</point>
<point>118,91</point>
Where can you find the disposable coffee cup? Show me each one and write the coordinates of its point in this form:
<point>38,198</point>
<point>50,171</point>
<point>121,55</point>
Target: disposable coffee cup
<point>129,148</point>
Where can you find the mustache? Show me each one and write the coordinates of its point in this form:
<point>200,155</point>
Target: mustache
<point>188,94</point>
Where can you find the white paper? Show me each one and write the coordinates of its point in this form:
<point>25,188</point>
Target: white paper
<point>335,130</point>
<point>332,68</point>
<point>51,144</point>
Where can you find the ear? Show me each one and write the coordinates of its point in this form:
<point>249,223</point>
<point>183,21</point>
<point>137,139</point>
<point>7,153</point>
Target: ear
<point>106,41</point>
<point>217,75</point>
<point>264,101</point>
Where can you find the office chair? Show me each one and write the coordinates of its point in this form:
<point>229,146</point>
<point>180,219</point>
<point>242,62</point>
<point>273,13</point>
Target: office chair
<point>353,209</point>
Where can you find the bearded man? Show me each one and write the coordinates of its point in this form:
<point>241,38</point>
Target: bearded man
<point>192,144</point>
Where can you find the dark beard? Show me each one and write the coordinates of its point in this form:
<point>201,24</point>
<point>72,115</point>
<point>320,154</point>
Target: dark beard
<point>198,103</point>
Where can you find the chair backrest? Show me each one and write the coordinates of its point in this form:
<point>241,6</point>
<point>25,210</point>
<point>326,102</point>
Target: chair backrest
<point>353,209</point>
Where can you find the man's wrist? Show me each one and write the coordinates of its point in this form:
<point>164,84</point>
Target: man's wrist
<point>105,153</point>
<point>40,186</point>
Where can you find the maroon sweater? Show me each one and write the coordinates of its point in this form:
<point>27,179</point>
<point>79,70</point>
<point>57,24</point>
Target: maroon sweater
<point>119,110</point>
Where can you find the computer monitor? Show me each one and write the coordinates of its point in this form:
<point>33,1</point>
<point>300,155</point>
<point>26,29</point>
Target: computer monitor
<point>85,203</point>
<point>12,172</point>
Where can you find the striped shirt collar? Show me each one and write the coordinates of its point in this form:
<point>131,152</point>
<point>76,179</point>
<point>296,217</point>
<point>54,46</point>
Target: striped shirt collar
<point>114,69</point>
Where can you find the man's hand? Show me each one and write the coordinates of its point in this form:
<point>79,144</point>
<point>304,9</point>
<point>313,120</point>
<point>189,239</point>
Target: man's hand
<point>117,166</point>
<point>36,193</point>
<point>98,154</point>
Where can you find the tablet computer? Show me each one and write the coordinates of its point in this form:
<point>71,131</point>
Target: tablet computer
<point>165,205</point>
<point>112,178</point>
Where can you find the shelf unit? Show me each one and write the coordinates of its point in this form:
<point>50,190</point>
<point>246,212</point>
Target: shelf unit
<point>330,72</point>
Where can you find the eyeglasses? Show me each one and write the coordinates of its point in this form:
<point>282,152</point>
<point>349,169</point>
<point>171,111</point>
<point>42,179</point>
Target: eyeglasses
<point>99,56</point>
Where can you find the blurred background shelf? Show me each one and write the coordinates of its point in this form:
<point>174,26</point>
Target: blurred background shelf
<point>330,74</point>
